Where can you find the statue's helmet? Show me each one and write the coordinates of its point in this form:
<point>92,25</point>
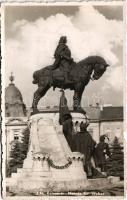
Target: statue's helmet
<point>63,39</point>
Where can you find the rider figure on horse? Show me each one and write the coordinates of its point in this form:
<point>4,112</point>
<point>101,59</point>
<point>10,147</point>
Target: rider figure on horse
<point>63,58</point>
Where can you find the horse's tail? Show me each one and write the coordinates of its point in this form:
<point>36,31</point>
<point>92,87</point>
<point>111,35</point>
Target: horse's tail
<point>42,73</point>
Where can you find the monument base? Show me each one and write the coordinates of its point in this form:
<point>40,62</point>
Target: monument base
<point>50,165</point>
<point>47,177</point>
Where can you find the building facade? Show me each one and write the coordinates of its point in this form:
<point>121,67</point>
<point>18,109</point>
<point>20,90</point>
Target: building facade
<point>106,120</point>
<point>111,122</point>
<point>13,131</point>
<point>15,116</point>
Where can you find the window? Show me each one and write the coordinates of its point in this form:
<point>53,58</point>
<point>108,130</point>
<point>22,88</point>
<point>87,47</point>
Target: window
<point>16,137</point>
<point>7,114</point>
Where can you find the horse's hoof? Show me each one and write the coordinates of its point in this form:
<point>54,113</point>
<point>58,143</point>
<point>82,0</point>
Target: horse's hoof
<point>79,109</point>
<point>35,111</point>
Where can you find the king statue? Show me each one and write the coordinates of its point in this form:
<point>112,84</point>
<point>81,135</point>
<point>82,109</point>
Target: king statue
<point>63,58</point>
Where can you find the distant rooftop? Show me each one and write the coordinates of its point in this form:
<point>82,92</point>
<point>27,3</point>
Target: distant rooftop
<point>95,113</point>
<point>111,113</point>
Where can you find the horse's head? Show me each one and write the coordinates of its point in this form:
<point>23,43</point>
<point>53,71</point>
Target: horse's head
<point>99,66</point>
<point>99,69</point>
<point>96,65</point>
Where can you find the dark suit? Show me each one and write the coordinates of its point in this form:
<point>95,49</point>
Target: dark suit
<point>101,150</point>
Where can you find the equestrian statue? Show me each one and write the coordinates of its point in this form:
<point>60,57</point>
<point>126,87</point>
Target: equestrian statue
<point>67,74</point>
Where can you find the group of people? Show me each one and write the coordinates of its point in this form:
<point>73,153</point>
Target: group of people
<point>80,140</point>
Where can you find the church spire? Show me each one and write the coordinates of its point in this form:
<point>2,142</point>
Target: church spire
<point>11,78</point>
<point>14,105</point>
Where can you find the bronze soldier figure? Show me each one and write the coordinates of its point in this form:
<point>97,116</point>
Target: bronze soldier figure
<point>101,151</point>
<point>63,107</point>
<point>63,58</point>
<point>84,143</point>
<point>65,118</point>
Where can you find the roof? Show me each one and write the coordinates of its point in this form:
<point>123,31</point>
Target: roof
<point>93,112</point>
<point>111,113</point>
<point>12,94</point>
<point>14,106</point>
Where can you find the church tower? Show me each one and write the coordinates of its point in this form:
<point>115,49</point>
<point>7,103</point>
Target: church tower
<point>14,105</point>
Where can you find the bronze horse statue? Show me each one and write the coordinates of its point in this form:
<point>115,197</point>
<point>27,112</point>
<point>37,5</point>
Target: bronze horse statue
<point>80,74</point>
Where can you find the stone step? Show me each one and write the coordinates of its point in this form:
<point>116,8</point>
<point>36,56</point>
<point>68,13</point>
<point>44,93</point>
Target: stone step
<point>98,183</point>
<point>11,182</point>
<point>57,185</point>
<point>15,175</point>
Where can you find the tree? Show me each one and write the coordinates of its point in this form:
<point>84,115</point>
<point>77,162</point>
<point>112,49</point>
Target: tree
<point>115,163</point>
<point>15,158</point>
<point>25,143</point>
<point>18,153</point>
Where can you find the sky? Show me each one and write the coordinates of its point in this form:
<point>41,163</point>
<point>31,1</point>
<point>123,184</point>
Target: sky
<point>32,34</point>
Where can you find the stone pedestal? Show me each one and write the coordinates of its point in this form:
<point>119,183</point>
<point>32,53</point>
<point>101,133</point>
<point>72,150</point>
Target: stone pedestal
<point>50,165</point>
